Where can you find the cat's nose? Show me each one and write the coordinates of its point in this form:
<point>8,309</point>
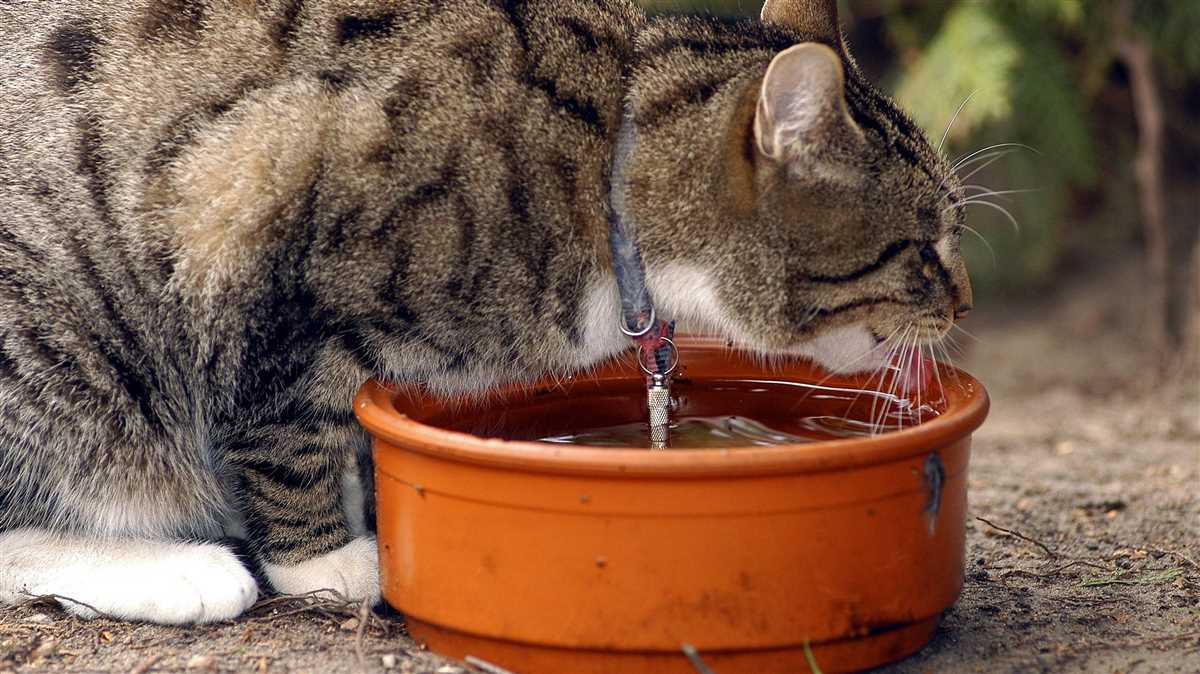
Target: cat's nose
<point>962,310</point>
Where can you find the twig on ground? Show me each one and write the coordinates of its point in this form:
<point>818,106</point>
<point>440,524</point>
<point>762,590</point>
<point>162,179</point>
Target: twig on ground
<point>364,615</point>
<point>811,659</point>
<point>320,605</point>
<point>145,665</point>
<point>1154,640</point>
<point>1043,546</point>
<point>1152,578</point>
<point>485,666</point>
<point>59,599</point>
<point>1055,571</point>
<point>322,597</point>
<point>693,656</point>
<point>304,609</point>
<point>319,602</point>
<point>1177,555</point>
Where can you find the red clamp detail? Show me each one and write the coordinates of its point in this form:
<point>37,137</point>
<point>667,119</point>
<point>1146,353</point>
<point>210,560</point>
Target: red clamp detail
<point>654,350</point>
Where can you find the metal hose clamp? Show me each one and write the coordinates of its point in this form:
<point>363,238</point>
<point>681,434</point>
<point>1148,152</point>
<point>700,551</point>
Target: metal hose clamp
<point>650,323</point>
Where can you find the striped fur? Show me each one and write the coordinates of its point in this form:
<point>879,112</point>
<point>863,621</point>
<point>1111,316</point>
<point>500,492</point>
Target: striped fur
<point>218,217</point>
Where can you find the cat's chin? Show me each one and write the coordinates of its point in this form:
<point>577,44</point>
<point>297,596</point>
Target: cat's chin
<point>844,350</point>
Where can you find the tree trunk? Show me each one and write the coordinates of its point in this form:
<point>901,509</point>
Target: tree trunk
<point>1194,341</point>
<point>1136,53</point>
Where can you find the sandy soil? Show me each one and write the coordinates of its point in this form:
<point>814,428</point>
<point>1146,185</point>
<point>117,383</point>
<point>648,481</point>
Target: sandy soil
<point>1093,470</point>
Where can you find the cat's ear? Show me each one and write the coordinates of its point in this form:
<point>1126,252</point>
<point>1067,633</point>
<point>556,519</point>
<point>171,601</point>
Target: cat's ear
<point>802,101</point>
<point>817,19</point>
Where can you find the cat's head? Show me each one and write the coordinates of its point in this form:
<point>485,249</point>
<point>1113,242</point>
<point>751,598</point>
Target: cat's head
<point>832,225</point>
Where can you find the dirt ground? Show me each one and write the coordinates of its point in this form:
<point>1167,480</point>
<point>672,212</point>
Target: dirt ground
<point>1094,472</point>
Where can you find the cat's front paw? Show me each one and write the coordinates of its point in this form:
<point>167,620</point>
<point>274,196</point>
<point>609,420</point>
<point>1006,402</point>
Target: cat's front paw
<point>352,571</point>
<point>171,584</point>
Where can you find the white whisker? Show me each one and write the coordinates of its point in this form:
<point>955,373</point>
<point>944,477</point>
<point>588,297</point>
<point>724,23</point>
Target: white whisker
<point>868,353</point>
<point>963,330</point>
<point>948,343</point>
<point>941,347</point>
<point>986,243</point>
<point>903,383</point>
<point>999,193</point>
<point>920,355</point>
<point>889,395</point>
<point>875,400</point>
<point>879,371</point>
<point>976,201</point>
<point>937,370</point>
<point>959,162</point>
<point>963,189</point>
<point>987,159</point>
<point>991,155</point>
<point>946,133</point>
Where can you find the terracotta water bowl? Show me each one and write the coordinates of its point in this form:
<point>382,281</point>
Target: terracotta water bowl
<point>553,559</point>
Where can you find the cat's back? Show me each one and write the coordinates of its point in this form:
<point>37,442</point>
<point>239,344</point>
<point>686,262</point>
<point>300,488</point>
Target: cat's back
<point>142,137</point>
<point>101,102</point>
<point>136,65</point>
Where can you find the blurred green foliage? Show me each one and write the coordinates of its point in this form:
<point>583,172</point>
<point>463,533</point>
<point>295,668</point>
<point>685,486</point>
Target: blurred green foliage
<point>1039,73</point>
<point>1006,57</point>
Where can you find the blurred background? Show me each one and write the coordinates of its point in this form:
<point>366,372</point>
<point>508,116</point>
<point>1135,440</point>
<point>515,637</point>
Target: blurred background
<point>1092,104</point>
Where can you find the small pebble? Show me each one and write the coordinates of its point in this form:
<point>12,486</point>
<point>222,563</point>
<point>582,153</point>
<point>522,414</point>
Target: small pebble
<point>389,661</point>
<point>40,619</point>
<point>350,624</point>
<point>202,662</point>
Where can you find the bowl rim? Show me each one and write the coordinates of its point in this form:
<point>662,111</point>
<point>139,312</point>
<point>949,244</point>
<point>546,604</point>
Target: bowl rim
<point>376,410</point>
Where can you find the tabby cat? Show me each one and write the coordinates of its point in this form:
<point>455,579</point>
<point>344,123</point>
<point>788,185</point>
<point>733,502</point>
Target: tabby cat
<point>219,217</point>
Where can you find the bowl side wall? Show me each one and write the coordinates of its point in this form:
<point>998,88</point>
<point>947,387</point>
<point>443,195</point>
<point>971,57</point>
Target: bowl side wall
<point>599,563</point>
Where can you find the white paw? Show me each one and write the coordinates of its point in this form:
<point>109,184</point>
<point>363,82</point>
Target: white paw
<point>154,581</point>
<point>351,571</point>
<point>176,586</point>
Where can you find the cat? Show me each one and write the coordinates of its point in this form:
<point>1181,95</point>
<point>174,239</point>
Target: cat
<point>219,217</point>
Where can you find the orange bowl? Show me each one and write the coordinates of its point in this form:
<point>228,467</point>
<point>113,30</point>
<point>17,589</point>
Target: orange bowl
<point>552,559</point>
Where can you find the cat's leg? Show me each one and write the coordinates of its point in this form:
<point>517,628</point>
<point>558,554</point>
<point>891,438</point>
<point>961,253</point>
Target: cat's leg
<point>110,516</point>
<point>294,474</point>
<point>127,578</point>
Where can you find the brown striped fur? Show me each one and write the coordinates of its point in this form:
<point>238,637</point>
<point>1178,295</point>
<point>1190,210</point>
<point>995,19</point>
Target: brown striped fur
<point>218,217</point>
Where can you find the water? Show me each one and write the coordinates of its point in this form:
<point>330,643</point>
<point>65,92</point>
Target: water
<point>808,413</point>
<point>689,432</point>
<point>708,413</point>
